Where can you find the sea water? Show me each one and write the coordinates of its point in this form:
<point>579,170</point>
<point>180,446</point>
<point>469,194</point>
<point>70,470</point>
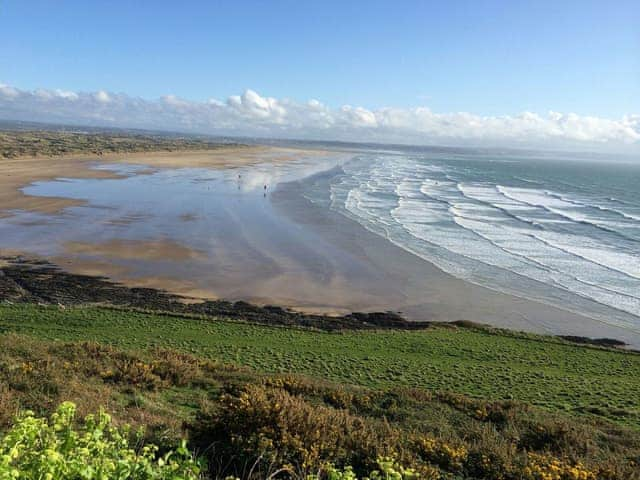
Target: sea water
<point>561,229</point>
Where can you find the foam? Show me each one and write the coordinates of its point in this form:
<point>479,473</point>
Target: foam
<point>489,232</point>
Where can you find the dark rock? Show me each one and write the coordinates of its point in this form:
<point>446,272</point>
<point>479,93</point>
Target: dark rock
<point>37,281</point>
<point>603,342</point>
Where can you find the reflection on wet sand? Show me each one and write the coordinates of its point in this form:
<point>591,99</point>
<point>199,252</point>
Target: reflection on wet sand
<point>213,233</point>
<point>189,228</point>
<point>16,173</point>
<point>135,249</point>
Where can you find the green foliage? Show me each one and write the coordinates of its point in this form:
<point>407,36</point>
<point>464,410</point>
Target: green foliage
<point>251,425</point>
<point>388,469</point>
<point>37,448</point>
<point>542,371</point>
<point>50,143</point>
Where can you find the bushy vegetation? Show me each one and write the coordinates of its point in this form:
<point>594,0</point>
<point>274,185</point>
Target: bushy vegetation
<point>486,364</point>
<point>54,449</point>
<point>52,143</point>
<point>265,426</point>
<point>251,425</point>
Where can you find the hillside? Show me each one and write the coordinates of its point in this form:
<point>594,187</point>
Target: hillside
<point>452,402</point>
<point>255,390</point>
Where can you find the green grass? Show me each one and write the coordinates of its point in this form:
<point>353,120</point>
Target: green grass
<point>486,364</point>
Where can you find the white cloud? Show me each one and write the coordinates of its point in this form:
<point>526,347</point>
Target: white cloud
<point>358,116</point>
<point>8,92</point>
<point>253,114</point>
<point>102,97</point>
<point>66,94</point>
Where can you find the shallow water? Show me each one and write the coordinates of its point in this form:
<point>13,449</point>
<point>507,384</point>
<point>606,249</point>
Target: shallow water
<point>223,215</point>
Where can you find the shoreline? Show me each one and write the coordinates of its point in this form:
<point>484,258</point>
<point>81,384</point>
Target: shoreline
<point>28,280</point>
<point>289,252</point>
<point>434,295</point>
<point>17,173</point>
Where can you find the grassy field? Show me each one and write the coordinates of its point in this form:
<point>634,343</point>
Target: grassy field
<point>250,425</point>
<point>485,364</point>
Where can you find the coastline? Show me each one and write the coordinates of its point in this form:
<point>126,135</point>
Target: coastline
<point>32,282</point>
<point>286,251</point>
<point>19,172</point>
<point>431,294</point>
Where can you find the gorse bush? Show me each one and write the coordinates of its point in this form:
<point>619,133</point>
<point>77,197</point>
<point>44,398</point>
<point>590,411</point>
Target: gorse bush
<point>287,430</point>
<point>388,469</point>
<point>37,448</point>
<point>251,425</point>
<point>257,430</point>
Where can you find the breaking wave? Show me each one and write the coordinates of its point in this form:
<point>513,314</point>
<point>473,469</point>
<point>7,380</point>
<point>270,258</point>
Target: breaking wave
<point>519,232</point>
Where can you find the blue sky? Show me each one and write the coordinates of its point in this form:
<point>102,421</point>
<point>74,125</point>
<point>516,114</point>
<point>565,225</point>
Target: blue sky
<point>542,74</point>
<point>485,57</point>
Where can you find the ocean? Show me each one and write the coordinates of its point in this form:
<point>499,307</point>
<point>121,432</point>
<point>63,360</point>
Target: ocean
<point>559,229</point>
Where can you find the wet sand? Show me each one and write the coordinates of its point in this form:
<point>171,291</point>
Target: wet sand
<point>421,291</point>
<point>136,249</point>
<point>206,246</point>
<point>16,173</point>
<point>219,241</point>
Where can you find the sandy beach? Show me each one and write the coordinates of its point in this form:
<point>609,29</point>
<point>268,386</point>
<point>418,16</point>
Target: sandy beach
<point>16,173</point>
<point>226,239</point>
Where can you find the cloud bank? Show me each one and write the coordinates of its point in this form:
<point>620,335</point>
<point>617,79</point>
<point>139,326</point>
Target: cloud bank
<point>251,114</point>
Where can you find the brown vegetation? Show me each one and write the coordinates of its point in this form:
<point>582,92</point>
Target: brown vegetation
<point>251,425</point>
<point>46,143</point>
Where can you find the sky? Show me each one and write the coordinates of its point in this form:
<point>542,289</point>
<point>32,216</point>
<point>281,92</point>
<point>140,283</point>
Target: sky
<point>454,72</point>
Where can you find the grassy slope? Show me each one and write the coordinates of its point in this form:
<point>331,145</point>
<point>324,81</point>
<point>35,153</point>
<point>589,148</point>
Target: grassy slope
<point>240,420</point>
<point>542,371</point>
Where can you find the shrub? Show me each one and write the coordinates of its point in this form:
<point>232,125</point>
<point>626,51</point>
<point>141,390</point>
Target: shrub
<point>544,467</point>
<point>554,436</point>
<point>37,448</point>
<point>388,469</point>
<point>282,429</point>
<point>447,456</point>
